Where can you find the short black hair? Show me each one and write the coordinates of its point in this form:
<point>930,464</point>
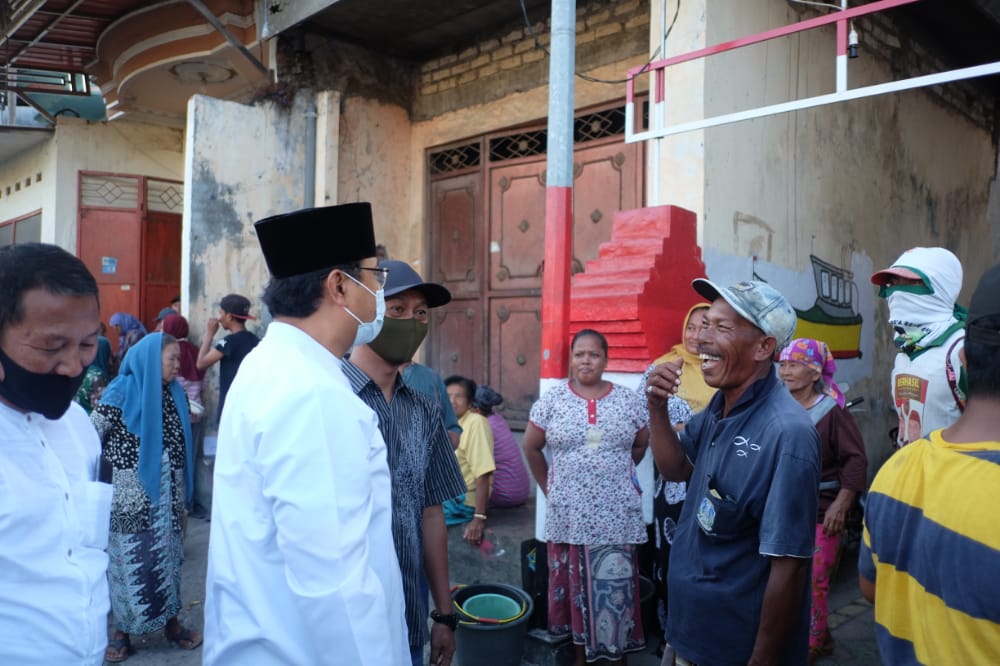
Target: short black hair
<point>300,295</point>
<point>28,266</point>
<point>591,333</point>
<point>982,362</point>
<point>466,383</point>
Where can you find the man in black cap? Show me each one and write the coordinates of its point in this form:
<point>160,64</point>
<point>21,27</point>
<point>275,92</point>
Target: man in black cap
<point>424,470</point>
<point>930,551</point>
<point>234,310</point>
<point>301,566</point>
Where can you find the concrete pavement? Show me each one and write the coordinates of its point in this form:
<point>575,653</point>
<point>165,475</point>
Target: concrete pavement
<point>851,617</point>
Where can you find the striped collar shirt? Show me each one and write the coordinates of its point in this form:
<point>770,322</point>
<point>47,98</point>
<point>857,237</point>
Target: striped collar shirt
<point>424,473</point>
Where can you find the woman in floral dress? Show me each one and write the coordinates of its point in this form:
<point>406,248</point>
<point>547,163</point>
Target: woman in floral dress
<point>596,433</point>
<point>145,432</point>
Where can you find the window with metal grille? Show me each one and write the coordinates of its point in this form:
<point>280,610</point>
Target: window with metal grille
<point>455,159</point>
<point>609,122</point>
<point>523,144</point>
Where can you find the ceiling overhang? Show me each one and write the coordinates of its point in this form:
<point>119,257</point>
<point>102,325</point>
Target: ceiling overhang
<point>147,58</point>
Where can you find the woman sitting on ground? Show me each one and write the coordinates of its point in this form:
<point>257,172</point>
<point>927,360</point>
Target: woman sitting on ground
<point>511,485</point>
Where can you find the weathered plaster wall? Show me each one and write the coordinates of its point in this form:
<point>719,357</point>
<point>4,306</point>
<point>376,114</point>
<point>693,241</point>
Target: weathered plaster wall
<point>676,171</point>
<point>372,167</point>
<point>854,183</point>
<point>232,179</point>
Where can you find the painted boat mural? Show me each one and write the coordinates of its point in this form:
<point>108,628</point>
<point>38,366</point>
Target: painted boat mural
<point>832,318</point>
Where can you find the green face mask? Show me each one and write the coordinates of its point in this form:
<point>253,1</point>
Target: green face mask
<point>398,340</point>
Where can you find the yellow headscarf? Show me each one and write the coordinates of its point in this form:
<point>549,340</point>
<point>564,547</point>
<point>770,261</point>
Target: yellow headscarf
<point>693,389</point>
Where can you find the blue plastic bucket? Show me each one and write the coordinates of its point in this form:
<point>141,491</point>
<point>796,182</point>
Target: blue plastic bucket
<point>491,641</point>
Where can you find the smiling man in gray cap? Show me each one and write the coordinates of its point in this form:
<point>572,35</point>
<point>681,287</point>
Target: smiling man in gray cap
<point>739,564</point>
<point>424,469</point>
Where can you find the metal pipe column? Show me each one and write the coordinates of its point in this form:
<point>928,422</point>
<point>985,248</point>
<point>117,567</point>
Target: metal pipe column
<point>559,193</point>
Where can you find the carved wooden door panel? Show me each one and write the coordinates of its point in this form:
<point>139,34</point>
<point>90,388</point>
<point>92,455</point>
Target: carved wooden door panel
<point>457,339</point>
<point>515,339</point>
<point>606,179</point>
<point>516,246</point>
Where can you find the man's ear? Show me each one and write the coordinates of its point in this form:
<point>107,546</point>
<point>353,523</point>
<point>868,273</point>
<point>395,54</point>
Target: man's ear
<point>766,348</point>
<point>333,287</point>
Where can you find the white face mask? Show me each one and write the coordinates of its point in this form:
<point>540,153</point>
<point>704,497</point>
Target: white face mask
<point>368,330</point>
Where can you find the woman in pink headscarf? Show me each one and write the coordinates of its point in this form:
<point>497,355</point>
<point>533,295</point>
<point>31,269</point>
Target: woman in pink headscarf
<point>807,369</point>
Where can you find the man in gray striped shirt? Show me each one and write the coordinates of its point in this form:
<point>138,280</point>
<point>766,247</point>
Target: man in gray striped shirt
<point>424,469</point>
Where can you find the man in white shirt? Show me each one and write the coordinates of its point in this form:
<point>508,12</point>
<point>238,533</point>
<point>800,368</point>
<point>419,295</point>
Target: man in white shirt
<point>54,513</point>
<point>301,566</point>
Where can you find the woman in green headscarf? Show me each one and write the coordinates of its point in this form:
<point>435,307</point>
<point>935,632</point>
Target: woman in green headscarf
<point>97,377</point>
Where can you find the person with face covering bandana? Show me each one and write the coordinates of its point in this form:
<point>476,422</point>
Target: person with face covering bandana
<point>424,470</point>
<point>301,564</point>
<point>928,381</point>
<point>54,513</point>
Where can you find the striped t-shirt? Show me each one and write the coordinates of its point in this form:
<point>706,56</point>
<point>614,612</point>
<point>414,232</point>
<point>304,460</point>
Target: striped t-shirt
<point>932,547</point>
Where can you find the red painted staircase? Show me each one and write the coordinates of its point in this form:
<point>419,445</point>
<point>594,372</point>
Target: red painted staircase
<point>638,289</point>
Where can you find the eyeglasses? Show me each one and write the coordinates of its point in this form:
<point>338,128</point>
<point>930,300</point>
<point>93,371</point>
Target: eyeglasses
<point>381,274</point>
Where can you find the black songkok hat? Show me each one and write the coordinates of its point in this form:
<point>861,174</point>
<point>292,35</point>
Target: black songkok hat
<point>315,238</point>
<point>985,303</point>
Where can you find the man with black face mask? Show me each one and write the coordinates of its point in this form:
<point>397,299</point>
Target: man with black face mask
<point>423,467</point>
<point>54,513</point>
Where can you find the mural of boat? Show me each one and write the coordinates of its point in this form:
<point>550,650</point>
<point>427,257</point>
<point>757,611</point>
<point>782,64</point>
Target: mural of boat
<point>832,318</point>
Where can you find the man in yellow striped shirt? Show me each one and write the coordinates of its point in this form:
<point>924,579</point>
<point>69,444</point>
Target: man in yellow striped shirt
<point>930,557</point>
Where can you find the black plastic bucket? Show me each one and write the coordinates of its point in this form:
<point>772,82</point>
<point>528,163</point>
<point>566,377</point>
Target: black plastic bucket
<point>486,641</point>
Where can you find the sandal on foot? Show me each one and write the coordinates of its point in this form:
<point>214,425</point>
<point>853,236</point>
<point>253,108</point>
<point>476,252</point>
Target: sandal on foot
<point>185,639</point>
<point>118,650</point>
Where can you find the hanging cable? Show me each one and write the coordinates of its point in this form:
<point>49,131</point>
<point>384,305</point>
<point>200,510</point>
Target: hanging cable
<point>594,79</point>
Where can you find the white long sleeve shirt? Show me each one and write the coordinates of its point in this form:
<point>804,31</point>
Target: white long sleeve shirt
<point>301,566</point>
<point>54,521</point>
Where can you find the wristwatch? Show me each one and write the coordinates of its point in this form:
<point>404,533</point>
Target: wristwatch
<point>450,621</point>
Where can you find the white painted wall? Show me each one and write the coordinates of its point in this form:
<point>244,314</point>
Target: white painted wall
<point>80,145</point>
<point>117,147</point>
<point>40,195</point>
<point>855,183</point>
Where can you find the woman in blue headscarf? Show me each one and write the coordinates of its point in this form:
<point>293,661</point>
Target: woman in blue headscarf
<point>145,428</point>
<point>130,331</point>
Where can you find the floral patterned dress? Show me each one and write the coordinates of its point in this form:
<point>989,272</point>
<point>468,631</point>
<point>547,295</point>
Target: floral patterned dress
<point>145,548</point>
<point>593,518</point>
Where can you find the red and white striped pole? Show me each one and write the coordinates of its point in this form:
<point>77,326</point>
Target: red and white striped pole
<point>559,194</point>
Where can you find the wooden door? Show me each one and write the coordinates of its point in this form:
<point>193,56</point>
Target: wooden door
<point>488,250</point>
<point>129,236</point>
<point>161,264</point>
<point>457,342</point>
<point>109,240</point>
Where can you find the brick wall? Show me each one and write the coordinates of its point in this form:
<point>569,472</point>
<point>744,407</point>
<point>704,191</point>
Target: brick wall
<point>608,31</point>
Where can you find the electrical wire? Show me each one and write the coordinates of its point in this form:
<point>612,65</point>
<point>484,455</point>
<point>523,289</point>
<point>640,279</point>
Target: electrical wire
<point>594,79</point>
<point>827,5</point>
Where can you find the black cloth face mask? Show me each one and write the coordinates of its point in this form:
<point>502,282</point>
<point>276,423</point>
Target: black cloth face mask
<point>48,394</point>
<point>398,340</point>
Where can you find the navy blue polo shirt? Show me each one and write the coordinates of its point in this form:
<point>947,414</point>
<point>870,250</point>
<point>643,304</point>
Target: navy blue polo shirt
<point>752,494</point>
